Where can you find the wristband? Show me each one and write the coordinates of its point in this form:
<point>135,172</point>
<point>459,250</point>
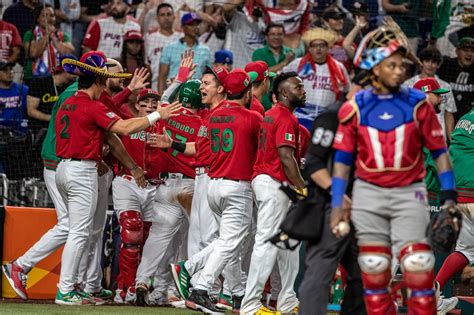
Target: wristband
<point>178,146</point>
<point>446,195</point>
<point>338,190</point>
<point>153,117</point>
<point>447,181</point>
<point>183,73</point>
<point>343,157</point>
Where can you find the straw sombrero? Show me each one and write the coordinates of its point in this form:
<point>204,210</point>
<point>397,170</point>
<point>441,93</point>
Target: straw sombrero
<point>92,63</point>
<point>319,33</point>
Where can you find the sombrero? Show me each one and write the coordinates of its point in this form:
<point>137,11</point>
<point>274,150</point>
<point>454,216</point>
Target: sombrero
<point>92,63</point>
<point>319,33</point>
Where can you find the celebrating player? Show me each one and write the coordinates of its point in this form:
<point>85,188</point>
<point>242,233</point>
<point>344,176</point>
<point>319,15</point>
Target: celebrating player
<point>387,126</point>
<point>277,161</point>
<point>80,125</point>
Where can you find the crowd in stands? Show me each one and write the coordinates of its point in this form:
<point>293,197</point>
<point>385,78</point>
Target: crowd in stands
<point>35,36</point>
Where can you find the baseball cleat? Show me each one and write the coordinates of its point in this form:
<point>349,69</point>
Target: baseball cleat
<point>17,279</point>
<point>199,300</point>
<point>119,297</point>
<point>103,294</point>
<point>142,294</point>
<point>444,306</point>
<point>92,299</point>
<point>181,279</point>
<point>225,302</point>
<point>236,303</point>
<point>157,298</point>
<point>131,297</point>
<point>72,298</point>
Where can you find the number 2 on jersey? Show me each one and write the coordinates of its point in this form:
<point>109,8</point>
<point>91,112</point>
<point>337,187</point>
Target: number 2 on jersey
<point>222,141</point>
<point>65,121</point>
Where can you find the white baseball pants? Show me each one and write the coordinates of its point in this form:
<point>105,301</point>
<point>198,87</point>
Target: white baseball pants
<point>128,196</point>
<point>272,206</point>
<point>232,202</point>
<point>203,227</point>
<point>56,236</point>
<point>168,217</point>
<point>77,182</point>
<point>90,270</point>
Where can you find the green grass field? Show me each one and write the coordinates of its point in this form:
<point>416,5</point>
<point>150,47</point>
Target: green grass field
<point>7,307</point>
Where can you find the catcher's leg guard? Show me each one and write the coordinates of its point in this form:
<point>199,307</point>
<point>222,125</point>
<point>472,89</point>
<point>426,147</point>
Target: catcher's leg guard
<point>131,231</point>
<point>374,262</point>
<point>417,262</point>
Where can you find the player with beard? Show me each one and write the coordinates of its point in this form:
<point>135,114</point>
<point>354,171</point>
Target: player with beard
<point>388,125</point>
<point>277,162</point>
<point>106,34</point>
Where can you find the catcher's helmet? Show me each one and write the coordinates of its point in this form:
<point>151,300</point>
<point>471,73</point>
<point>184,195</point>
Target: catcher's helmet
<point>190,95</point>
<point>376,46</point>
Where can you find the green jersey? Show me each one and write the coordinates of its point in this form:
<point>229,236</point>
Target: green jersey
<point>431,179</point>
<point>462,156</point>
<point>48,151</point>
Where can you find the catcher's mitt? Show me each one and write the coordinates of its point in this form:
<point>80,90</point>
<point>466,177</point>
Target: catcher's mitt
<point>444,228</point>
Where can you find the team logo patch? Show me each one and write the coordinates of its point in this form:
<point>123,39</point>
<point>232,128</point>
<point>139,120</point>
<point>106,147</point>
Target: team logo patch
<point>110,114</point>
<point>289,137</point>
<point>425,88</point>
<point>246,82</point>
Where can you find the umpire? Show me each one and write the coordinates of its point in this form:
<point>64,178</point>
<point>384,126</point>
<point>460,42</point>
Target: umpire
<point>324,253</point>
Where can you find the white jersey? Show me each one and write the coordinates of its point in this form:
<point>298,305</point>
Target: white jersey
<point>154,44</point>
<point>448,103</point>
<point>318,87</point>
<point>106,35</point>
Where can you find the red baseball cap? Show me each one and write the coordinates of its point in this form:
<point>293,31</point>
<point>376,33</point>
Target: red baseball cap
<point>238,80</point>
<point>133,35</point>
<point>430,85</point>
<point>146,93</point>
<point>219,72</point>
<point>261,68</point>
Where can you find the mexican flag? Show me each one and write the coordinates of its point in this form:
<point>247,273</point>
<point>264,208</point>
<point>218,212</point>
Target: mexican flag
<point>289,137</point>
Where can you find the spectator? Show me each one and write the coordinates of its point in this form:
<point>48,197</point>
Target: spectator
<point>406,14</point>
<point>42,95</point>
<point>157,40</point>
<point>21,15</point>
<point>431,60</point>
<point>333,20</point>
<point>274,53</point>
<point>212,28</point>
<point>44,44</point>
<point>106,34</point>
<point>68,12</point>
<point>13,125</point>
<point>293,15</point>
<point>325,79</point>
<point>12,100</point>
<point>170,61</point>
<point>224,58</point>
<point>90,11</point>
<point>10,42</point>
<point>133,52</point>
<point>360,12</point>
<point>459,73</point>
<point>244,34</point>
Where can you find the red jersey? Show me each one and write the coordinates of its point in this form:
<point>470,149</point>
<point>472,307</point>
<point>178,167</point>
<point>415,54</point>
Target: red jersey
<point>183,128</point>
<point>9,37</point>
<point>388,132</point>
<point>279,128</point>
<point>80,125</point>
<point>203,142</point>
<point>115,103</point>
<point>234,138</point>
<point>256,106</point>
<point>305,136</point>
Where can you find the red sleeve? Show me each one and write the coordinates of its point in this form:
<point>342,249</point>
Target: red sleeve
<point>346,135</point>
<point>430,128</point>
<point>103,116</point>
<point>92,37</point>
<point>16,40</point>
<point>121,98</point>
<point>286,132</point>
<point>304,140</point>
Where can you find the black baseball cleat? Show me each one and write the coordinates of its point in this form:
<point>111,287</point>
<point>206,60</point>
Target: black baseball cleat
<point>199,300</point>
<point>237,302</point>
<point>142,294</point>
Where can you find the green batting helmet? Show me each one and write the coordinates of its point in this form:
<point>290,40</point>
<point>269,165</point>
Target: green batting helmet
<point>190,95</point>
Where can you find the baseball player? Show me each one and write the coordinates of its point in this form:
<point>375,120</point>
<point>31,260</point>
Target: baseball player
<point>461,154</point>
<point>387,126</point>
<point>16,272</point>
<point>80,125</point>
<point>234,133</point>
<point>277,161</point>
<point>174,195</point>
<point>261,86</point>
